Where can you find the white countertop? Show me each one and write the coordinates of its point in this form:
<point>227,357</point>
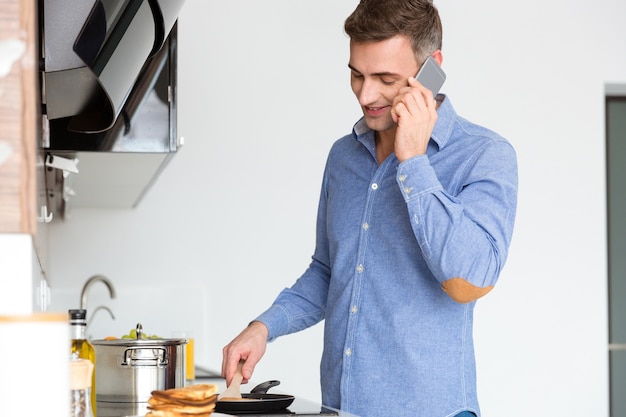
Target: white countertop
<point>300,405</point>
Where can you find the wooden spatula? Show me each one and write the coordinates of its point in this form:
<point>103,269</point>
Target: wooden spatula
<point>234,390</point>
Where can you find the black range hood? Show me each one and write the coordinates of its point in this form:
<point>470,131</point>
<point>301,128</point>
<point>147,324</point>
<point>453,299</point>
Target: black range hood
<point>94,52</point>
<point>108,89</point>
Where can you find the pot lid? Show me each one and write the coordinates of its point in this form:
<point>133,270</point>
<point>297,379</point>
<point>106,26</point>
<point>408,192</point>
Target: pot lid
<point>140,340</point>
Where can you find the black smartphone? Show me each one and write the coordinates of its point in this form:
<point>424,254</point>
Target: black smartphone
<point>431,75</point>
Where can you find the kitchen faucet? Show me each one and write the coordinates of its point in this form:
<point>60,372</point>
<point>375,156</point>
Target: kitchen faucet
<point>89,283</point>
<point>94,315</point>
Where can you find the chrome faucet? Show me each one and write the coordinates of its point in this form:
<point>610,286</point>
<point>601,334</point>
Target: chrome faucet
<point>83,297</point>
<point>94,315</point>
<point>98,309</point>
<point>89,283</point>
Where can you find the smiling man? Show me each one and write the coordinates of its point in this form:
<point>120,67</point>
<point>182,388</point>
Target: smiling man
<point>414,223</point>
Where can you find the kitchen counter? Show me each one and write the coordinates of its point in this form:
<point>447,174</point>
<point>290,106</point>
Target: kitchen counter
<point>300,406</point>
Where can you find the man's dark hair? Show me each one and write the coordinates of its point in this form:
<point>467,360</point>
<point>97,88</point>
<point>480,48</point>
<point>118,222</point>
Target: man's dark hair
<point>378,20</point>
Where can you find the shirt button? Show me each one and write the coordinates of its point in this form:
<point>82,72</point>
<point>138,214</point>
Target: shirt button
<point>359,268</point>
<point>366,226</point>
<point>348,352</point>
<point>354,309</point>
<point>408,190</point>
<point>374,186</point>
<point>402,177</point>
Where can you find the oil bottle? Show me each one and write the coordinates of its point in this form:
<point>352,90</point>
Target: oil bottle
<point>82,347</point>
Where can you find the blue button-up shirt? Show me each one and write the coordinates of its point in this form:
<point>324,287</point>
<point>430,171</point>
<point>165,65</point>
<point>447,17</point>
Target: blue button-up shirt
<point>388,236</point>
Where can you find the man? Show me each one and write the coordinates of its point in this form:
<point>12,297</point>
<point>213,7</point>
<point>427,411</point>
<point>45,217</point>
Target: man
<point>415,219</point>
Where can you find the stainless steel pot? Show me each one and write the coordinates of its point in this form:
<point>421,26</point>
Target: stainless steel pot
<point>128,370</point>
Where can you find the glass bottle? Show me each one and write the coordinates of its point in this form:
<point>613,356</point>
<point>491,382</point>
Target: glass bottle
<point>82,347</point>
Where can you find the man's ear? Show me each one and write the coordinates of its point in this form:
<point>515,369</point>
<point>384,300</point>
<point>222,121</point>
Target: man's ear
<point>438,56</point>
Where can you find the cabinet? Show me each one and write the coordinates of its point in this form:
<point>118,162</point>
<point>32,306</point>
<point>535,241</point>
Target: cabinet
<point>19,172</point>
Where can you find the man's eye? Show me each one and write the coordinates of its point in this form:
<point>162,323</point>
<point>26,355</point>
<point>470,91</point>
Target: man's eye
<point>357,75</point>
<point>387,82</point>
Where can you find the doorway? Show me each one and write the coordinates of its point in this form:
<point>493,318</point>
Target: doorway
<point>616,232</point>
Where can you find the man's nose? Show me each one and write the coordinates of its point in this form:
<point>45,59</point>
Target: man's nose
<point>368,93</point>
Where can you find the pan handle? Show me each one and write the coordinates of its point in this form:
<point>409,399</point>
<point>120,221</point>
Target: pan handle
<point>263,387</point>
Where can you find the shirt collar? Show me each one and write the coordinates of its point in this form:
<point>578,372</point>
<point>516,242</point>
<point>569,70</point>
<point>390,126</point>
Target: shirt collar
<point>441,133</point>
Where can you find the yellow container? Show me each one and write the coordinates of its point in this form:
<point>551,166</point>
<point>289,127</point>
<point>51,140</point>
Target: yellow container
<point>190,363</point>
<point>189,360</point>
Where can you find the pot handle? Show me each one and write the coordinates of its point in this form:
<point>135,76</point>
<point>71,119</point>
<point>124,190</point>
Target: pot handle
<point>263,387</point>
<point>138,357</point>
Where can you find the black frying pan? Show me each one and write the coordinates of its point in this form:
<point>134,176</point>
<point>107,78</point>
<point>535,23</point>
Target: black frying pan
<point>258,401</point>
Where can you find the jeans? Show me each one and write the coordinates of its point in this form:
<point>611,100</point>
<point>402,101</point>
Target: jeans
<point>466,414</point>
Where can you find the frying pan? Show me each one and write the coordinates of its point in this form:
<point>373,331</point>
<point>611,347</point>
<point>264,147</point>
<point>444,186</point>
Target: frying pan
<point>258,401</point>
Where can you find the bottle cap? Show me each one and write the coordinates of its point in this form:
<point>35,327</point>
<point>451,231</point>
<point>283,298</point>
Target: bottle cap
<point>78,316</point>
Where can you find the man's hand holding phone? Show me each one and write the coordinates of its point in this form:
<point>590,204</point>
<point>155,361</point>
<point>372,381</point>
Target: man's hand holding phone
<point>414,110</point>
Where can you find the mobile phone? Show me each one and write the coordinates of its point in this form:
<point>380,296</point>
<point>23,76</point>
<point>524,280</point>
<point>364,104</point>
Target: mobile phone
<point>431,75</point>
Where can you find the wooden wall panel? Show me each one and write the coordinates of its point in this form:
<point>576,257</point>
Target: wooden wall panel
<point>18,116</point>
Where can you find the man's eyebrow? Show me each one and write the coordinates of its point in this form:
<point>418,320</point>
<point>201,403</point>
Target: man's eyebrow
<point>377,74</point>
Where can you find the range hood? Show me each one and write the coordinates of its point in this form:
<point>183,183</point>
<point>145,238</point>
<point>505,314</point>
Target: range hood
<point>108,91</point>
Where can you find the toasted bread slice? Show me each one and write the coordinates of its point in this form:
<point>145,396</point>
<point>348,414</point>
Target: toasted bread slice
<point>158,399</point>
<point>183,409</point>
<point>165,413</point>
<point>198,392</point>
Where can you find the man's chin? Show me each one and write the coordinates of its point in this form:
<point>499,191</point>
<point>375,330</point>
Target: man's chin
<point>378,124</point>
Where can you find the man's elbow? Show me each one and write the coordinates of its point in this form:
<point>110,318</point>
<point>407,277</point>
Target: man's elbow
<point>461,291</point>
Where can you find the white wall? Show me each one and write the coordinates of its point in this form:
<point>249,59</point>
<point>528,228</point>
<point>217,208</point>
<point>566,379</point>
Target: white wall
<point>263,89</point>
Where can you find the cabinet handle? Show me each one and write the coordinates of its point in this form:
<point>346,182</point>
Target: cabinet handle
<point>44,216</point>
